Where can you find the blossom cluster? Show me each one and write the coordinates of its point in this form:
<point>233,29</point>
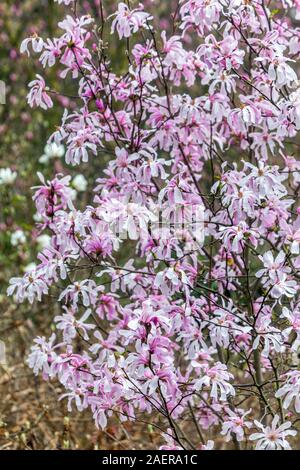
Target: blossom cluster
<point>192,327</point>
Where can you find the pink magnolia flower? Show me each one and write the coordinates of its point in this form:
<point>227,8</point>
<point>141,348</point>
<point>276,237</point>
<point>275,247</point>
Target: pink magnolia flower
<point>281,72</point>
<point>36,42</point>
<point>283,286</point>
<point>53,195</point>
<point>85,290</point>
<point>215,377</point>
<point>170,279</point>
<point>236,424</point>
<point>208,446</point>
<point>38,95</point>
<point>272,266</point>
<point>273,437</point>
<point>127,21</point>
<point>52,50</point>
<point>170,442</point>
<point>293,317</point>
<point>42,354</point>
<point>268,334</point>
<point>107,306</point>
<point>71,326</point>
<point>234,237</point>
<point>32,286</point>
<point>175,54</point>
<point>290,391</point>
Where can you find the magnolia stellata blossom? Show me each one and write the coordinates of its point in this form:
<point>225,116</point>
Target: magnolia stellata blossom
<point>273,437</point>
<point>177,280</point>
<point>52,151</point>
<point>7,176</point>
<point>128,21</point>
<point>290,391</point>
<point>235,424</point>
<point>38,95</point>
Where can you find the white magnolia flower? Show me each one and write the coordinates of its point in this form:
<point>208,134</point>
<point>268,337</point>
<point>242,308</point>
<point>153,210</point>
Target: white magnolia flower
<point>208,446</point>
<point>235,424</point>
<point>52,151</point>
<point>290,391</point>
<point>37,217</point>
<point>70,325</point>
<point>73,194</point>
<point>29,267</point>
<point>283,286</point>
<point>17,238</point>
<point>66,2</point>
<point>7,176</point>
<point>272,265</point>
<point>79,183</point>
<point>273,437</point>
<point>43,241</point>
<point>215,377</point>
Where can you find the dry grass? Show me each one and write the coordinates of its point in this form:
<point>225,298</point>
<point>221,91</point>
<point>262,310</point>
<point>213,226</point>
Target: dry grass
<point>31,415</point>
<point>33,418</point>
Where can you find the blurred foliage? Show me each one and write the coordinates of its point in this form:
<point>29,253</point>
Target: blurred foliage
<point>23,131</point>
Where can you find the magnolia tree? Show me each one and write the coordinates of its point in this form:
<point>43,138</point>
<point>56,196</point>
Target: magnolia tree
<point>178,282</point>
